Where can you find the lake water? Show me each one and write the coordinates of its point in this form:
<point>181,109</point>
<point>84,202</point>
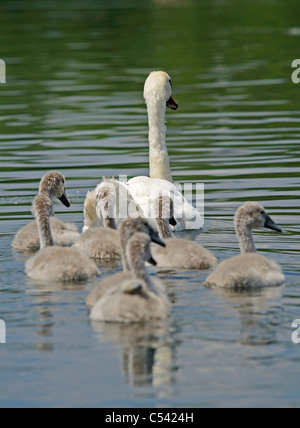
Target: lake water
<point>73,102</point>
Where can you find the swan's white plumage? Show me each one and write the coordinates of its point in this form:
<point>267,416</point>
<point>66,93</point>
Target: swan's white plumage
<point>146,191</point>
<point>142,191</point>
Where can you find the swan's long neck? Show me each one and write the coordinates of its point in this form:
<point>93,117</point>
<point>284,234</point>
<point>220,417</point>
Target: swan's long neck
<point>245,236</point>
<point>164,228</point>
<point>49,195</point>
<point>108,216</point>
<point>46,189</point>
<point>123,241</point>
<point>136,257</point>
<point>44,229</point>
<point>158,153</point>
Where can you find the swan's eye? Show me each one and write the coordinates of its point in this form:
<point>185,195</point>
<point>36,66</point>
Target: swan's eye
<point>170,81</point>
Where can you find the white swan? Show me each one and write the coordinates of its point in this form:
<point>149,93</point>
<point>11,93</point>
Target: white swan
<point>54,263</point>
<point>102,242</point>
<point>145,190</point>
<point>249,269</point>
<point>136,299</point>
<point>179,253</point>
<point>127,229</point>
<point>53,184</point>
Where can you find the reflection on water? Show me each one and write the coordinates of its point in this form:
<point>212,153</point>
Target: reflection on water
<point>73,101</point>
<point>147,351</point>
<point>259,314</point>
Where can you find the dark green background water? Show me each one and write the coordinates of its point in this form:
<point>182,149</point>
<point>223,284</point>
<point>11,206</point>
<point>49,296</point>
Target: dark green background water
<point>73,102</point>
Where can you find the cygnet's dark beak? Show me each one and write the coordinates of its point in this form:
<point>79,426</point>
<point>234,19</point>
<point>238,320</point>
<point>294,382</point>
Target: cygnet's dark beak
<point>64,200</point>
<point>171,103</point>
<point>172,221</point>
<point>152,261</point>
<point>270,224</point>
<point>156,239</point>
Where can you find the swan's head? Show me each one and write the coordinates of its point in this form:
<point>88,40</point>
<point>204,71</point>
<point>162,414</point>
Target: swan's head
<point>54,184</point>
<point>158,89</point>
<point>138,249</point>
<point>105,194</point>
<point>130,226</point>
<point>254,216</point>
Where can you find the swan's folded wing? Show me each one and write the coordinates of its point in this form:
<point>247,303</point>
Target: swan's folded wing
<point>89,208</point>
<point>146,191</point>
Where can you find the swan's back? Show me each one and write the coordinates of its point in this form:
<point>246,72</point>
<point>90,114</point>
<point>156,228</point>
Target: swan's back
<point>64,235</point>
<point>183,254</point>
<point>100,243</point>
<point>60,264</point>
<point>246,271</point>
<point>146,191</point>
<point>134,305</point>
<point>106,284</point>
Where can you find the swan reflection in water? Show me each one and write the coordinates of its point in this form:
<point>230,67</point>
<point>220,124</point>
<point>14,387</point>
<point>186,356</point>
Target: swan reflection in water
<point>147,351</point>
<point>259,311</point>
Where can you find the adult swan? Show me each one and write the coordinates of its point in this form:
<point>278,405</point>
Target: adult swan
<point>145,191</point>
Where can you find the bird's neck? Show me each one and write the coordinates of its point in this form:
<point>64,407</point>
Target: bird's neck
<point>125,263</point>
<point>44,229</point>
<point>158,154</point>
<point>164,228</point>
<point>137,259</point>
<point>44,190</point>
<point>108,215</point>
<point>245,236</point>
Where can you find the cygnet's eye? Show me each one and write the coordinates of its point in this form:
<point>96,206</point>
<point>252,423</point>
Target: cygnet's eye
<point>262,212</point>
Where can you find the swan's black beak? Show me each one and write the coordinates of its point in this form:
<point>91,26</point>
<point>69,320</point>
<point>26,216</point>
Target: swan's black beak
<point>172,221</point>
<point>269,224</point>
<point>64,200</point>
<point>156,239</point>
<point>171,103</point>
<point>152,261</point>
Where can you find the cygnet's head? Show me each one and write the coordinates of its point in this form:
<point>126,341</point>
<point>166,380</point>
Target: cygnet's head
<point>158,89</point>
<point>130,226</point>
<point>105,194</point>
<point>138,250</point>
<point>254,216</point>
<point>54,184</point>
